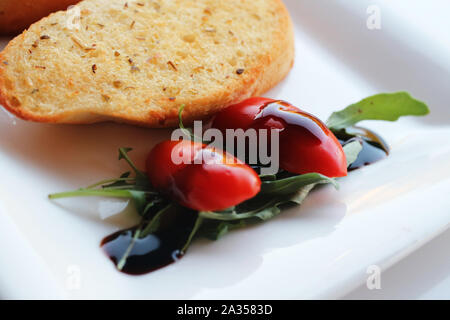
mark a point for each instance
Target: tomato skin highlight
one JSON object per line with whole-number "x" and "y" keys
{"x": 161, "y": 168}
{"x": 212, "y": 179}
{"x": 241, "y": 115}
{"x": 306, "y": 144}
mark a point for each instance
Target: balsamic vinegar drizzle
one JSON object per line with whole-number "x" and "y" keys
{"x": 283, "y": 112}
{"x": 154, "y": 251}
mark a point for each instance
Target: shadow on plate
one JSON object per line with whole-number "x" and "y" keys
{"x": 78, "y": 154}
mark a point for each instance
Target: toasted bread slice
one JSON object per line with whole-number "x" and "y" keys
{"x": 16, "y": 16}
{"x": 138, "y": 61}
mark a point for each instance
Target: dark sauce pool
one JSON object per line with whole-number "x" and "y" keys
{"x": 370, "y": 153}
{"x": 374, "y": 148}
{"x": 153, "y": 251}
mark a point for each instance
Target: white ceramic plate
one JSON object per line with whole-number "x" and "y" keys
{"x": 321, "y": 250}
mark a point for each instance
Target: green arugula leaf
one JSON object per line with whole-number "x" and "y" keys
{"x": 113, "y": 183}
{"x": 214, "y": 229}
{"x": 108, "y": 193}
{"x": 122, "y": 181}
{"x": 165, "y": 218}
{"x": 261, "y": 207}
{"x": 216, "y": 225}
{"x": 385, "y": 106}
{"x": 123, "y": 260}
{"x": 352, "y": 150}
{"x": 276, "y": 193}
{"x": 137, "y": 188}
{"x": 188, "y": 132}
{"x": 145, "y": 228}
{"x": 142, "y": 179}
{"x": 139, "y": 198}
{"x": 294, "y": 183}
{"x": 155, "y": 222}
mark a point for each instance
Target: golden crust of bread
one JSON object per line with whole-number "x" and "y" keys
{"x": 17, "y": 15}
{"x": 119, "y": 67}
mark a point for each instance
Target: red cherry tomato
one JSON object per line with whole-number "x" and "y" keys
{"x": 306, "y": 144}
{"x": 207, "y": 180}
